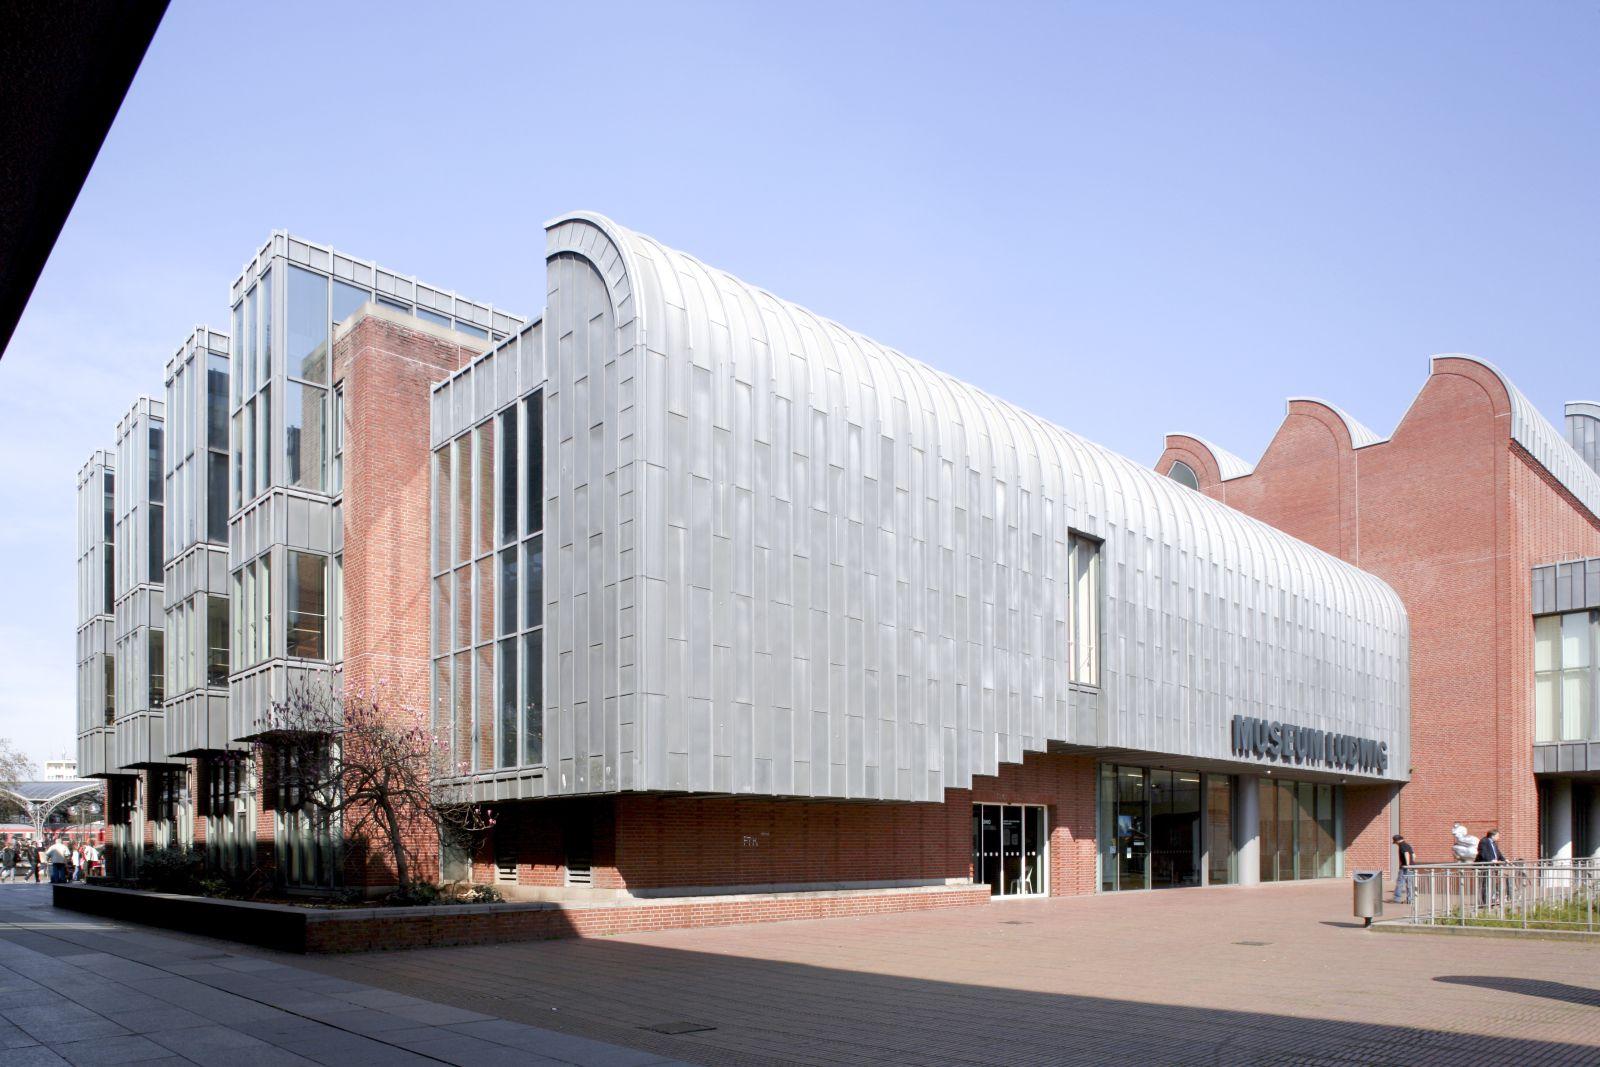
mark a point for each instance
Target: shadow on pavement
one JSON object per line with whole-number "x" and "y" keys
{"x": 776, "y": 1012}
{"x": 1529, "y": 987}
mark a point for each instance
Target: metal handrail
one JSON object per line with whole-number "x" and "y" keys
{"x": 1554, "y": 894}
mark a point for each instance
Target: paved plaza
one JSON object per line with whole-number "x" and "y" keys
{"x": 1275, "y": 974}
{"x": 78, "y": 990}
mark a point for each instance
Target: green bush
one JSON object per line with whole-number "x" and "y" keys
{"x": 172, "y": 870}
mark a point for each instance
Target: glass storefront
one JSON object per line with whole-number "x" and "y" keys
{"x": 1010, "y": 849}
{"x": 1299, "y": 830}
{"x": 1162, "y": 828}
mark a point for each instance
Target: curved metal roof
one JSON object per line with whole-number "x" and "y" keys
{"x": 1544, "y": 442}
{"x": 1229, "y": 465}
{"x": 1210, "y": 612}
{"x": 46, "y": 792}
{"x": 1360, "y": 435}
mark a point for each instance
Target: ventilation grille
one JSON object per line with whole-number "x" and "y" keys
{"x": 505, "y": 870}
{"x": 580, "y": 872}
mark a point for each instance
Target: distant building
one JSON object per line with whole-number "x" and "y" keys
{"x": 60, "y": 770}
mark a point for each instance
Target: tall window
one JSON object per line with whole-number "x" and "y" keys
{"x": 156, "y": 526}
{"x": 217, "y": 642}
{"x": 1564, "y": 663}
{"x": 488, "y": 591}
{"x": 308, "y": 575}
{"x": 216, "y": 449}
{"x": 156, "y": 654}
{"x": 1083, "y": 560}
{"x": 1183, "y": 474}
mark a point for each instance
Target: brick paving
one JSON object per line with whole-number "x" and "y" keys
{"x": 76, "y": 990}
{"x": 1276, "y": 974}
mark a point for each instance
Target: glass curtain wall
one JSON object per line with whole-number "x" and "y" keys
{"x": 1299, "y": 830}
{"x": 1564, "y": 663}
{"x": 488, "y": 590}
{"x": 1162, "y": 829}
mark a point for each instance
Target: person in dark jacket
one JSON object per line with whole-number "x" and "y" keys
{"x": 1405, "y": 884}
{"x": 1489, "y": 853}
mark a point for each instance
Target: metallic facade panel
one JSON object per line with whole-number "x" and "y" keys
{"x": 784, "y": 559}
{"x": 1573, "y": 585}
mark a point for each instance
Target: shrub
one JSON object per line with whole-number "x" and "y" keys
{"x": 172, "y": 870}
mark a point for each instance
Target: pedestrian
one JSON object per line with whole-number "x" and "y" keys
{"x": 1405, "y": 883}
{"x": 58, "y": 856}
{"x": 32, "y": 858}
{"x": 91, "y": 859}
{"x": 1489, "y": 853}
{"x": 77, "y": 862}
{"x": 8, "y": 860}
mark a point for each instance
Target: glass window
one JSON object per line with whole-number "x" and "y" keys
{"x": 264, "y": 318}
{"x": 217, "y": 641}
{"x": 264, "y": 439}
{"x": 347, "y": 300}
{"x": 157, "y": 667}
{"x": 154, "y": 472}
{"x": 238, "y": 351}
{"x": 248, "y": 333}
{"x": 305, "y": 435}
{"x": 307, "y": 352}
{"x": 1183, "y": 474}
{"x": 508, "y": 703}
{"x": 463, "y": 509}
{"x": 217, "y": 402}
{"x": 476, "y": 331}
{"x": 337, "y": 430}
{"x": 484, "y": 437}
{"x": 308, "y": 576}
{"x": 443, "y": 497}
{"x": 217, "y": 497}
{"x": 434, "y": 317}
{"x": 108, "y": 666}
{"x": 508, "y": 473}
{"x": 157, "y": 513}
{"x": 533, "y": 412}
{"x": 1084, "y": 560}
{"x": 396, "y": 304}
{"x": 1574, "y": 640}
{"x": 508, "y": 590}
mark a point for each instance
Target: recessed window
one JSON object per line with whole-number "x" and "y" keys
{"x": 1183, "y": 474}
{"x": 308, "y": 576}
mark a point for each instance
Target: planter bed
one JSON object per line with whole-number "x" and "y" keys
{"x": 293, "y": 928}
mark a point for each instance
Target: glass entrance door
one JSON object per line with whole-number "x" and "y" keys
{"x": 1010, "y": 849}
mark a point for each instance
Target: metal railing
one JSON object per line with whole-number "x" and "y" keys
{"x": 1559, "y": 894}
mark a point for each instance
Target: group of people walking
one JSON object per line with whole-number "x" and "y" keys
{"x": 66, "y": 861}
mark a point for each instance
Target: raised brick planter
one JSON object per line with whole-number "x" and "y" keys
{"x": 295, "y": 929}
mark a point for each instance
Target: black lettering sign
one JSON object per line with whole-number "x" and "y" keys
{"x": 1286, "y": 742}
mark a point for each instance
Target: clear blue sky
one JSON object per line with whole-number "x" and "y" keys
{"x": 1129, "y": 218}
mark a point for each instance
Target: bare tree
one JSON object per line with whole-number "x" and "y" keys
{"x": 372, "y": 770}
{"x": 14, "y": 766}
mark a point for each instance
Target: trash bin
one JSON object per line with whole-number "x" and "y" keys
{"x": 1368, "y": 895}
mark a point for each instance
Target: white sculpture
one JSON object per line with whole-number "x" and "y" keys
{"x": 1466, "y": 846}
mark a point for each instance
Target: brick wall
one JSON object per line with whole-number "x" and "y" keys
{"x": 1452, "y": 514}
{"x": 650, "y": 841}
{"x": 388, "y": 365}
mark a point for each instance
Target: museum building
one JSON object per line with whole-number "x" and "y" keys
{"x": 708, "y": 594}
{"x": 1485, "y": 519}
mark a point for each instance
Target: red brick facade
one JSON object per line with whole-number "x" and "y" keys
{"x": 1452, "y": 513}
{"x": 657, "y": 841}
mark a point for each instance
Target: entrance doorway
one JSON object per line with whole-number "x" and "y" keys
{"x": 1010, "y": 849}
{"x": 1162, "y": 828}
